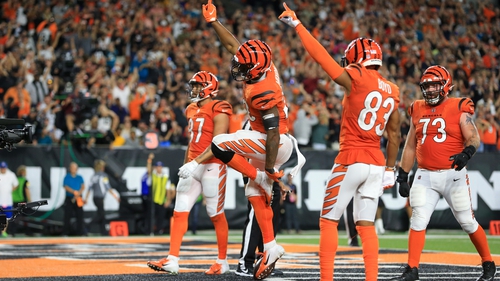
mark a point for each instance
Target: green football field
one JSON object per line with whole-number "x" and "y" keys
{"x": 436, "y": 240}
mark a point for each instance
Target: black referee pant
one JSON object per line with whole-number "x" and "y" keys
{"x": 252, "y": 236}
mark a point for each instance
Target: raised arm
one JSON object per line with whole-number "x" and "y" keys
{"x": 226, "y": 37}
{"x": 316, "y": 50}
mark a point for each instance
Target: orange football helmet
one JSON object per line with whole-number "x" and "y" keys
{"x": 209, "y": 86}
{"x": 364, "y": 51}
{"x": 251, "y": 61}
{"x": 435, "y": 83}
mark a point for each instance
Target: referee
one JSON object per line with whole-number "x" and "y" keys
{"x": 99, "y": 186}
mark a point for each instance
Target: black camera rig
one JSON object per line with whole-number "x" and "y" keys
{"x": 22, "y": 208}
{"x": 10, "y": 136}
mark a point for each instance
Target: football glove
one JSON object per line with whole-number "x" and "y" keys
{"x": 209, "y": 12}
{"x": 461, "y": 159}
{"x": 187, "y": 169}
{"x": 289, "y": 17}
{"x": 388, "y": 180}
{"x": 275, "y": 175}
{"x": 402, "y": 179}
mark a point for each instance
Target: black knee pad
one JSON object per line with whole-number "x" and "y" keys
{"x": 224, "y": 156}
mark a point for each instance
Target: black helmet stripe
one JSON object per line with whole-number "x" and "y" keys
{"x": 253, "y": 50}
{"x": 204, "y": 78}
{"x": 355, "y": 53}
{"x": 259, "y": 43}
{"x": 362, "y": 41}
{"x": 242, "y": 53}
{"x": 435, "y": 73}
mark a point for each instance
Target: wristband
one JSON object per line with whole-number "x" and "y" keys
{"x": 469, "y": 150}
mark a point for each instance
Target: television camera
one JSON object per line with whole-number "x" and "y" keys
{"x": 8, "y": 137}
{"x": 22, "y": 208}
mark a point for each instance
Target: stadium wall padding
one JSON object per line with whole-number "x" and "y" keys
{"x": 46, "y": 168}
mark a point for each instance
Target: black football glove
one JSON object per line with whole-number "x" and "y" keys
{"x": 402, "y": 179}
{"x": 461, "y": 159}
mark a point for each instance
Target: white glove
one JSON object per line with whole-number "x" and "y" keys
{"x": 389, "y": 179}
{"x": 187, "y": 169}
{"x": 289, "y": 17}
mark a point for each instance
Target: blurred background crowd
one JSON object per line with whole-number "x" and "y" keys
{"x": 107, "y": 72}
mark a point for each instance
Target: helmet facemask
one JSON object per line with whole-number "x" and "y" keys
{"x": 433, "y": 92}
{"x": 197, "y": 91}
{"x": 241, "y": 71}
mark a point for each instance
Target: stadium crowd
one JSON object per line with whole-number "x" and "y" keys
{"x": 109, "y": 71}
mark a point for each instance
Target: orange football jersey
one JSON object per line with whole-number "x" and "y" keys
{"x": 365, "y": 114}
{"x": 201, "y": 126}
{"x": 263, "y": 95}
{"x": 438, "y": 131}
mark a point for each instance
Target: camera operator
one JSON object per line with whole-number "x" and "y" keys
{"x": 8, "y": 183}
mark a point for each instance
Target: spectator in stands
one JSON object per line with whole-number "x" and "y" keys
{"x": 71, "y": 42}
{"x": 306, "y": 119}
{"x": 119, "y": 139}
{"x": 38, "y": 89}
{"x": 319, "y": 134}
{"x": 164, "y": 125}
{"x": 132, "y": 141}
{"x": 17, "y": 100}
{"x": 122, "y": 87}
{"x": 119, "y": 110}
{"x": 488, "y": 129}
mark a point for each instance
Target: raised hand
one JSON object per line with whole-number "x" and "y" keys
{"x": 209, "y": 12}
{"x": 289, "y": 17}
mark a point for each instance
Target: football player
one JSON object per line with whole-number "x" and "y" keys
{"x": 267, "y": 146}
{"x": 443, "y": 138}
{"x": 360, "y": 169}
{"x": 207, "y": 118}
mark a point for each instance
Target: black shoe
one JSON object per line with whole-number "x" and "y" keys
{"x": 410, "y": 274}
{"x": 277, "y": 272}
{"x": 489, "y": 270}
{"x": 242, "y": 270}
{"x": 354, "y": 242}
